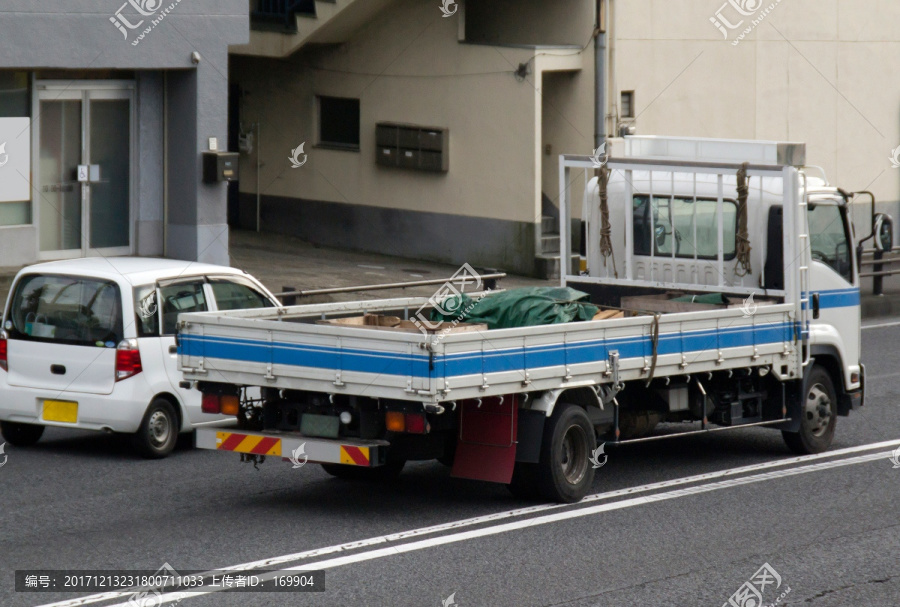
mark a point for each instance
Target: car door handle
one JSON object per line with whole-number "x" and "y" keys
{"x": 57, "y": 369}
{"x": 815, "y": 305}
{"x": 173, "y": 349}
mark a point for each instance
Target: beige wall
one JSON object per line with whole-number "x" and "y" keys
{"x": 568, "y": 126}
{"x": 823, "y": 72}
{"x": 426, "y": 77}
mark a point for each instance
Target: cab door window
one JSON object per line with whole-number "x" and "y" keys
{"x": 828, "y": 239}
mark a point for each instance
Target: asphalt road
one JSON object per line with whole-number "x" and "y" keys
{"x": 828, "y": 527}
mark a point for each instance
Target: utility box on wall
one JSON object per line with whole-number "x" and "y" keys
{"x": 220, "y": 166}
{"x": 407, "y": 146}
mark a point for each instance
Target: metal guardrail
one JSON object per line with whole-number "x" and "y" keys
{"x": 290, "y": 295}
{"x": 878, "y": 261}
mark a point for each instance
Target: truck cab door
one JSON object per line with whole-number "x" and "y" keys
{"x": 834, "y": 285}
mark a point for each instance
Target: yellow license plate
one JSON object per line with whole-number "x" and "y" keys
{"x": 60, "y": 411}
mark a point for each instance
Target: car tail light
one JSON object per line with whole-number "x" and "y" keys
{"x": 230, "y": 405}
{"x": 128, "y": 359}
{"x": 415, "y": 423}
{"x": 395, "y": 421}
{"x": 4, "y": 356}
{"x": 211, "y": 403}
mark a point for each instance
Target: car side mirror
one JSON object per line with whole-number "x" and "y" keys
{"x": 884, "y": 232}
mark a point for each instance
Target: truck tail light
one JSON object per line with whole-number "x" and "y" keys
{"x": 211, "y": 403}
{"x": 230, "y": 404}
{"x": 395, "y": 421}
{"x": 415, "y": 423}
{"x": 128, "y": 359}
{"x": 4, "y": 356}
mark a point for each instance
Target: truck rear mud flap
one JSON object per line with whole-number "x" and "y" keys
{"x": 294, "y": 447}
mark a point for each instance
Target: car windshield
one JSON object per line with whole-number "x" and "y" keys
{"x": 237, "y": 294}
{"x": 66, "y": 309}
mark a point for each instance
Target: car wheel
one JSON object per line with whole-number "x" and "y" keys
{"x": 21, "y": 435}
{"x": 158, "y": 431}
{"x": 818, "y": 415}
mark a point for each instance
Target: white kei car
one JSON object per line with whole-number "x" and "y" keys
{"x": 90, "y": 344}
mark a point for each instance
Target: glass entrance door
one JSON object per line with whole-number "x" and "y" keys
{"x": 90, "y": 125}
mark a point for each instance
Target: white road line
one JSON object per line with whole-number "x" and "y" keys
{"x": 881, "y": 326}
{"x": 541, "y": 520}
{"x": 387, "y": 539}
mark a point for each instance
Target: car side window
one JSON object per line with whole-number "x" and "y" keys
{"x": 237, "y": 294}
{"x": 180, "y": 298}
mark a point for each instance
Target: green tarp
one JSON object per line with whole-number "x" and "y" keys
{"x": 525, "y": 307}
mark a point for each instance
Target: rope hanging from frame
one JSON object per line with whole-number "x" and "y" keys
{"x": 743, "y": 267}
{"x": 606, "y": 248}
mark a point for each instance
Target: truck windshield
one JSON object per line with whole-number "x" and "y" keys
{"x": 66, "y": 309}
{"x": 828, "y": 239}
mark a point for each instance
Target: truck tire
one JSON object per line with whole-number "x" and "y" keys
{"x": 388, "y": 472}
{"x": 818, "y": 415}
{"x": 21, "y": 435}
{"x": 564, "y": 473}
{"x": 158, "y": 432}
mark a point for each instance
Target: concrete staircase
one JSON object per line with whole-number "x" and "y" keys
{"x": 546, "y": 262}
{"x": 279, "y": 28}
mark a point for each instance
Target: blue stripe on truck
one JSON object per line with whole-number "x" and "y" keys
{"x": 494, "y": 361}
{"x": 841, "y": 298}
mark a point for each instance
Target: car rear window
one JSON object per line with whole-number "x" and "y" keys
{"x": 67, "y": 310}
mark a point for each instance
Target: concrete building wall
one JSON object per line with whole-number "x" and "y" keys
{"x": 408, "y": 65}
{"x": 820, "y": 72}
{"x": 79, "y": 39}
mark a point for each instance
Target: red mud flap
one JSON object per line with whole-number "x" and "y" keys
{"x": 486, "y": 448}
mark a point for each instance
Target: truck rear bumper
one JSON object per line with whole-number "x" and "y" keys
{"x": 294, "y": 447}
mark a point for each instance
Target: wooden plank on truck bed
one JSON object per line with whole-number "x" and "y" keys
{"x": 395, "y": 323}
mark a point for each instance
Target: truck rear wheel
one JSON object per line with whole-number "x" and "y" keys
{"x": 390, "y": 471}
{"x": 565, "y": 473}
{"x": 21, "y": 435}
{"x": 818, "y": 415}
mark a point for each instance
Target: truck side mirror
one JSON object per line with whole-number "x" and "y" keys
{"x": 884, "y": 232}
{"x": 660, "y": 236}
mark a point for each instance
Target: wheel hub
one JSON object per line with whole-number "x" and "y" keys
{"x": 159, "y": 428}
{"x": 573, "y": 455}
{"x": 817, "y": 410}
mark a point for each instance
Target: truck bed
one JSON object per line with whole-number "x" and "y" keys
{"x": 286, "y": 348}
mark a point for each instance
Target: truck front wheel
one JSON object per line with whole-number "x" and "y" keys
{"x": 818, "y": 415}
{"x": 564, "y": 473}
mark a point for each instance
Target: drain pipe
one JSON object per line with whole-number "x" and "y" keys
{"x": 258, "y": 168}
{"x": 165, "y": 230}
{"x": 600, "y": 75}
